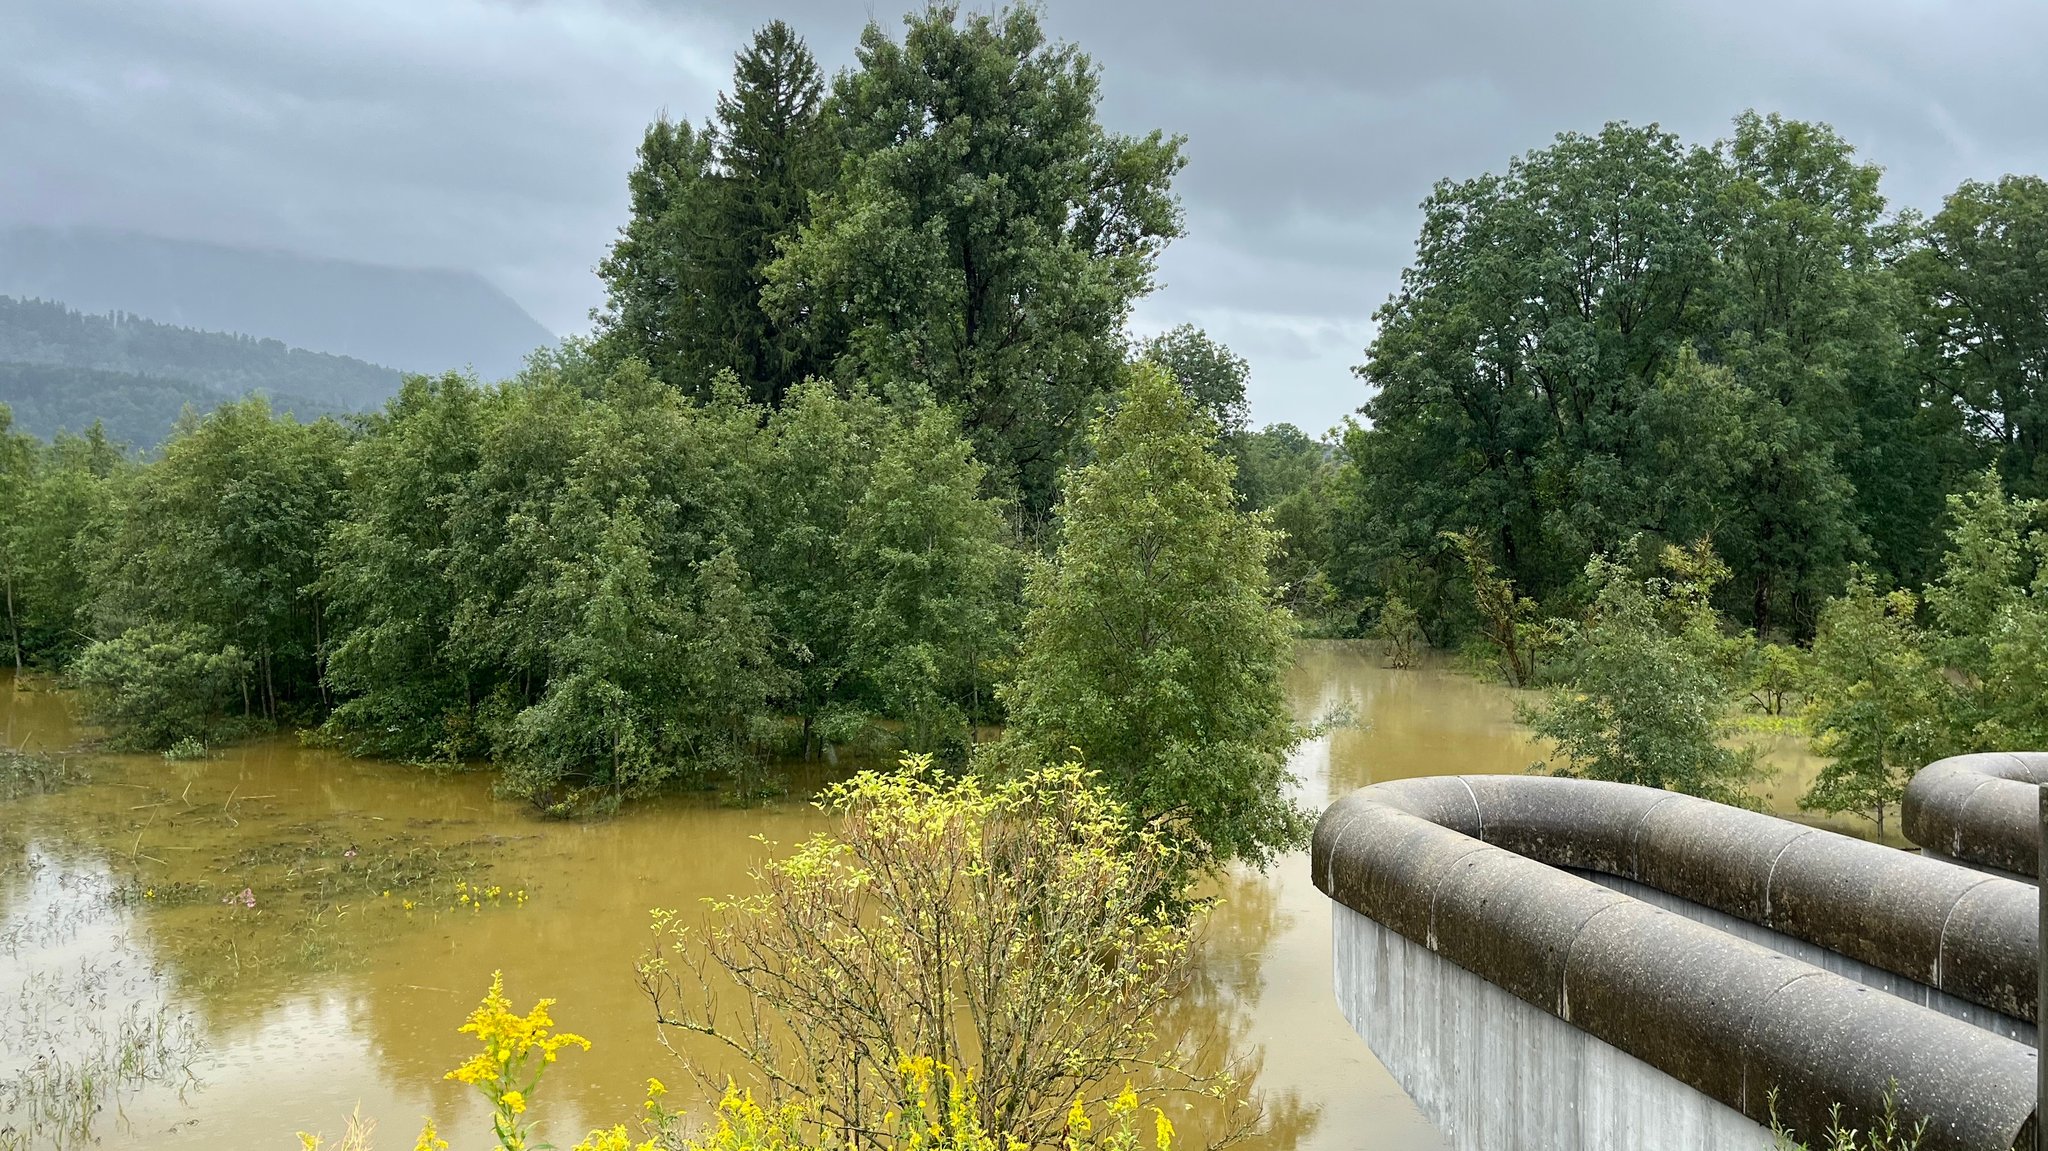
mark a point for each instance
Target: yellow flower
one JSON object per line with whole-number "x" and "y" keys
{"x": 308, "y": 1142}
{"x": 514, "y": 1101}
{"x": 430, "y": 1140}
{"x": 1162, "y": 1131}
{"x": 1077, "y": 1119}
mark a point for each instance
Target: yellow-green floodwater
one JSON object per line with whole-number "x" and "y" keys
{"x": 225, "y": 923}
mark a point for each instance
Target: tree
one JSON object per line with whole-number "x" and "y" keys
{"x": 218, "y": 543}
{"x": 658, "y": 306}
{"x": 1625, "y": 335}
{"x": 1542, "y": 307}
{"x": 1400, "y": 632}
{"x": 1875, "y": 702}
{"x": 1990, "y": 607}
{"x": 711, "y": 209}
{"x": 987, "y": 236}
{"x": 1013, "y": 932}
{"x": 1980, "y": 336}
{"x": 1645, "y": 703}
{"x": 50, "y": 497}
{"x": 1210, "y": 373}
{"x": 1511, "y": 622}
{"x": 938, "y": 619}
{"x": 1152, "y": 641}
{"x": 1274, "y": 463}
{"x": 17, "y": 461}
{"x": 1807, "y": 324}
{"x": 156, "y": 685}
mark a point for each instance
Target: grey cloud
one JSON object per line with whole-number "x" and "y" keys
{"x": 496, "y": 135}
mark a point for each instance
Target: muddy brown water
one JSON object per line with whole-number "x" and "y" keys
{"x": 124, "y": 897}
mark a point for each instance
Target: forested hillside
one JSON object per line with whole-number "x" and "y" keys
{"x": 411, "y": 319}
{"x": 61, "y": 368}
{"x": 136, "y": 410}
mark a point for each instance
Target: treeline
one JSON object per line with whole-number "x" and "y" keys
{"x": 61, "y": 370}
{"x": 605, "y": 586}
{"x": 1626, "y": 335}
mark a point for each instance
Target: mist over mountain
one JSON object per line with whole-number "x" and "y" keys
{"x": 412, "y": 319}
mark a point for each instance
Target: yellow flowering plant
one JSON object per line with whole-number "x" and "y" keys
{"x": 516, "y": 1051}
{"x": 936, "y": 1108}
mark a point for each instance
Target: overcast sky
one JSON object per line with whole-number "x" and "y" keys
{"x": 495, "y": 135}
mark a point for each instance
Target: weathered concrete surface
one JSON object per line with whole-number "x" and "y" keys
{"x": 1913, "y": 991}
{"x": 1980, "y": 810}
{"x": 1494, "y": 1073}
{"x": 1464, "y": 869}
{"x": 1959, "y": 931}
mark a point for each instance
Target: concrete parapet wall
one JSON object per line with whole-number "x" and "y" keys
{"x": 1470, "y": 870}
{"x": 1495, "y": 1073}
{"x": 1980, "y": 809}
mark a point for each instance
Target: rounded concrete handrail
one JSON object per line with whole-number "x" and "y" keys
{"x": 1980, "y": 809}
{"x": 1471, "y": 868}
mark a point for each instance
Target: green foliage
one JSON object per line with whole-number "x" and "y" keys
{"x": 1875, "y": 702}
{"x": 1211, "y": 374}
{"x": 1889, "y": 1132}
{"x": 210, "y": 557}
{"x": 1625, "y": 335}
{"x": 1773, "y": 673}
{"x": 1646, "y": 702}
{"x": 933, "y": 631}
{"x": 610, "y": 587}
{"x": 1990, "y": 608}
{"x": 157, "y": 684}
{"x": 1980, "y": 330}
{"x": 1274, "y": 463}
{"x": 711, "y": 209}
{"x": 986, "y": 236}
{"x": 1511, "y": 623}
{"x": 1153, "y": 642}
{"x": 50, "y": 496}
{"x": 1401, "y": 631}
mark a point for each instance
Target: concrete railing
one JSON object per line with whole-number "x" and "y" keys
{"x": 1478, "y": 873}
{"x": 1980, "y": 810}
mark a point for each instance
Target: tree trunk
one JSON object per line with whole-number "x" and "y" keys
{"x": 14, "y": 626}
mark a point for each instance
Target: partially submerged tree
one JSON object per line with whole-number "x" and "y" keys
{"x": 1646, "y": 703}
{"x": 1153, "y": 642}
{"x": 1512, "y": 623}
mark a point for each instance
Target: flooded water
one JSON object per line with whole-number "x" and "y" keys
{"x": 225, "y": 924}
